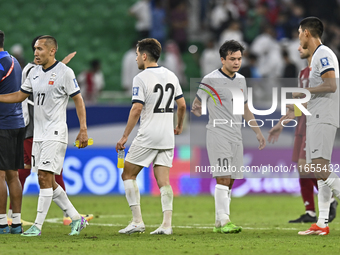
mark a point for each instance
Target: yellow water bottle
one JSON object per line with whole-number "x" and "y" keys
{"x": 121, "y": 154}
{"x": 89, "y": 142}
{"x": 297, "y": 111}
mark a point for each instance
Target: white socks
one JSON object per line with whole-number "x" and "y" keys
{"x": 133, "y": 198}
{"x": 333, "y": 182}
{"x": 167, "y": 197}
{"x": 16, "y": 218}
{"x": 222, "y": 202}
{"x": 3, "y": 219}
{"x": 44, "y": 202}
{"x": 324, "y": 200}
{"x": 61, "y": 199}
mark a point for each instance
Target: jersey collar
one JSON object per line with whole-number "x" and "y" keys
{"x": 153, "y": 67}
{"x": 231, "y": 78}
{"x": 317, "y": 48}
{"x": 51, "y": 67}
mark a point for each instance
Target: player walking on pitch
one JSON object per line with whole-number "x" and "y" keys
{"x": 153, "y": 94}
{"x": 224, "y": 142}
{"x": 51, "y": 83}
{"x": 307, "y": 179}
{"x": 324, "y": 119}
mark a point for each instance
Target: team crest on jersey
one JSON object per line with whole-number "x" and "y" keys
{"x": 52, "y": 79}
{"x": 75, "y": 83}
{"x": 135, "y": 91}
{"x": 324, "y": 62}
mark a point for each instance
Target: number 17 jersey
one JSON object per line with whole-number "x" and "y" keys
{"x": 51, "y": 89}
{"x": 156, "y": 88}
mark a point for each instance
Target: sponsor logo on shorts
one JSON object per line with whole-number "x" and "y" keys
{"x": 315, "y": 150}
{"x": 46, "y": 162}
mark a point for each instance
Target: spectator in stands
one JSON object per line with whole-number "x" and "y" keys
{"x": 250, "y": 70}
{"x": 221, "y": 15}
{"x": 91, "y": 82}
{"x": 233, "y": 32}
{"x": 179, "y": 24}
{"x": 268, "y": 50}
{"x": 158, "y": 25}
{"x": 210, "y": 58}
{"x": 129, "y": 68}
{"x": 174, "y": 62}
{"x": 18, "y": 52}
{"x": 142, "y": 11}
{"x": 289, "y": 70}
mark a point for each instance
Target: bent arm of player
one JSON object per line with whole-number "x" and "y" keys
{"x": 181, "y": 107}
{"x": 16, "y": 97}
{"x": 328, "y": 85}
{"x": 68, "y": 57}
{"x": 81, "y": 112}
{"x": 248, "y": 116}
{"x": 196, "y": 107}
{"x": 134, "y": 115}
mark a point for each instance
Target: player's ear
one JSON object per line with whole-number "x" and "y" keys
{"x": 53, "y": 51}
{"x": 144, "y": 56}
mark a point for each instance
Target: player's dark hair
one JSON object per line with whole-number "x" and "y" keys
{"x": 34, "y": 41}
{"x": 49, "y": 40}
{"x": 2, "y": 39}
{"x": 229, "y": 47}
{"x": 151, "y": 47}
{"x": 314, "y": 26}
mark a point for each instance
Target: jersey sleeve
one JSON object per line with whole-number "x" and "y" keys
{"x": 70, "y": 83}
{"x": 202, "y": 89}
{"x": 325, "y": 61}
{"x": 178, "y": 92}
{"x": 138, "y": 91}
{"x": 26, "y": 87}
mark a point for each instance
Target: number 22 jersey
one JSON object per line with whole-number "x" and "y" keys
{"x": 156, "y": 88}
{"x": 51, "y": 89}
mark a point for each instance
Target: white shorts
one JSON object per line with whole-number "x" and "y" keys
{"x": 226, "y": 158}
{"x": 142, "y": 156}
{"x": 48, "y": 156}
{"x": 319, "y": 141}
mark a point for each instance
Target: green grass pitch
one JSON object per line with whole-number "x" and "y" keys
{"x": 263, "y": 218}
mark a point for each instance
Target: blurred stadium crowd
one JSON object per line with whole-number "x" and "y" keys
{"x": 190, "y": 31}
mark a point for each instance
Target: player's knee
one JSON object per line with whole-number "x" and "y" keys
{"x": 224, "y": 181}
{"x": 127, "y": 176}
{"x": 44, "y": 180}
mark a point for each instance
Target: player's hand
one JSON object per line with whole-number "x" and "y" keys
{"x": 120, "y": 144}
{"x": 82, "y": 138}
{"x": 290, "y": 115}
{"x": 262, "y": 141}
{"x": 274, "y": 133}
{"x": 68, "y": 57}
{"x": 178, "y": 130}
{"x": 196, "y": 110}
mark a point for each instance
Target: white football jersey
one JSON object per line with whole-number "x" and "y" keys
{"x": 323, "y": 107}
{"x": 223, "y": 110}
{"x": 156, "y": 88}
{"x": 51, "y": 89}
